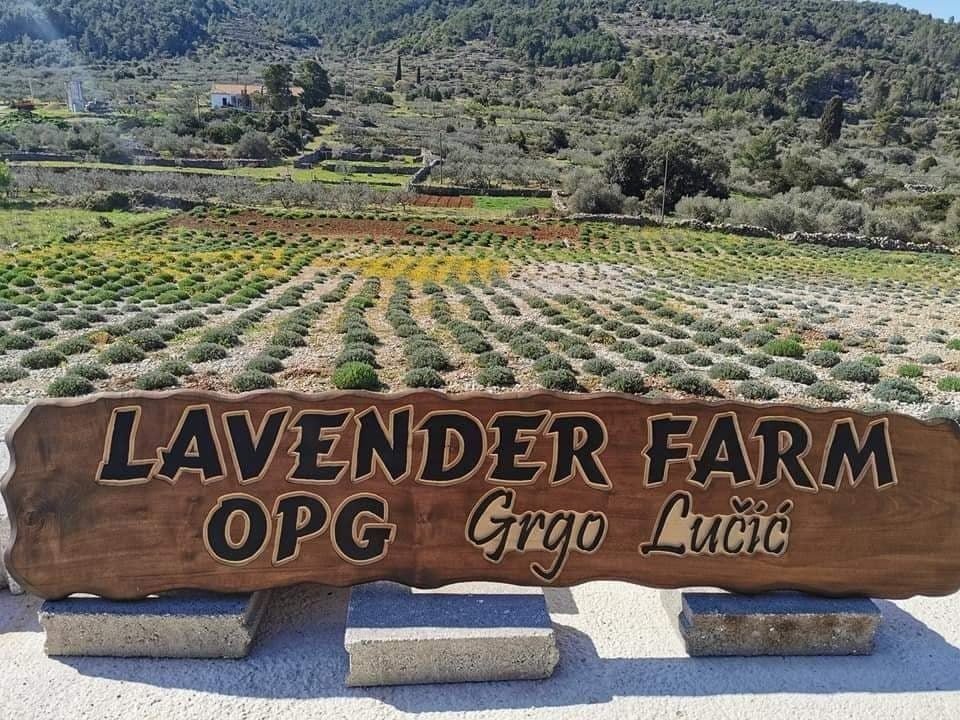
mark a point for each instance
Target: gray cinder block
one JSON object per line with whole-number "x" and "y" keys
{"x": 781, "y": 623}
{"x": 186, "y": 625}
{"x": 468, "y": 632}
{"x": 5, "y": 579}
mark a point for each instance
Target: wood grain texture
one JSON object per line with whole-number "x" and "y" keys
{"x": 74, "y": 533}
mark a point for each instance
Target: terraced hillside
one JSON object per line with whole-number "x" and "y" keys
{"x": 237, "y": 300}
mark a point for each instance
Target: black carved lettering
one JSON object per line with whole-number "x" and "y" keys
{"x": 253, "y": 453}
{"x": 779, "y": 456}
{"x": 393, "y": 452}
{"x": 315, "y": 445}
{"x": 660, "y": 452}
{"x": 579, "y": 441}
{"x": 194, "y": 448}
{"x": 299, "y": 518}
{"x": 219, "y": 525}
{"x": 444, "y": 431}
{"x": 847, "y": 453}
{"x": 118, "y": 467}
{"x": 367, "y": 543}
{"x": 723, "y": 454}
{"x": 511, "y": 446}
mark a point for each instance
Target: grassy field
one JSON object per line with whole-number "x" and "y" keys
{"x": 236, "y": 299}
{"x": 280, "y": 172}
{"x": 25, "y": 227}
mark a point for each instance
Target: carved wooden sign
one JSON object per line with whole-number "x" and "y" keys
{"x": 123, "y": 495}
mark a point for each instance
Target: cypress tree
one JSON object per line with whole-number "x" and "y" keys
{"x": 831, "y": 122}
{"x": 399, "y": 76}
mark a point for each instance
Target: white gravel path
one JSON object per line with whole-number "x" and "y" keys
{"x": 619, "y": 659}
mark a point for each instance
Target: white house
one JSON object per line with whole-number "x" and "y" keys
{"x": 240, "y": 95}
{"x": 231, "y": 95}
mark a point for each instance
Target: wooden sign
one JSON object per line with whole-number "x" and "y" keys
{"x": 123, "y": 495}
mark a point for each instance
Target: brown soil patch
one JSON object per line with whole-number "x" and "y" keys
{"x": 444, "y": 201}
{"x": 250, "y": 221}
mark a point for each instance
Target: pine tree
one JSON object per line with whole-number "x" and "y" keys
{"x": 831, "y": 122}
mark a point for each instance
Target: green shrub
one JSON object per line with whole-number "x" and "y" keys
{"x": 897, "y": 390}
{"x": 252, "y": 380}
{"x": 562, "y": 380}
{"x": 156, "y": 380}
{"x": 599, "y": 367}
{"x": 698, "y": 359}
{"x": 147, "y": 339}
{"x": 496, "y": 376}
{"x": 491, "y": 358}
{"x": 356, "y": 353}
{"x": 758, "y": 337}
{"x": 931, "y": 359}
{"x": 625, "y": 381}
{"x": 223, "y": 336}
{"x": 664, "y": 367}
{"x": 527, "y": 346}
{"x": 205, "y": 352}
{"x": 872, "y": 360}
{"x": 729, "y": 371}
{"x": 792, "y": 371}
{"x": 16, "y": 341}
{"x": 41, "y": 333}
{"x": 12, "y": 373}
{"x": 784, "y": 347}
{"x": 827, "y": 391}
{"x": 950, "y": 383}
{"x": 553, "y": 361}
{"x": 692, "y": 384}
{"x": 910, "y": 370}
{"x": 277, "y": 351}
{"x": 74, "y": 346}
{"x": 70, "y": 386}
{"x": 706, "y": 338}
{"x": 356, "y": 376}
{"x": 188, "y": 321}
{"x": 760, "y": 360}
{"x": 953, "y": 344}
{"x": 265, "y": 364}
{"x": 946, "y": 412}
{"x": 581, "y": 351}
{"x": 176, "y": 367}
{"x": 757, "y": 390}
{"x": 121, "y": 352}
{"x": 834, "y": 346}
{"x": 429, "y": 357}
{"x": 639, "y": 354}
{"x": 856, "y": 371}
{"x": 678, "y": 347}
{"x": 74, "y": 323}
{"x": 89, "y": 370}
{"x": 823, "y": 358}
{"x": 42, "y": 358}
{"x": 423, "y": 377}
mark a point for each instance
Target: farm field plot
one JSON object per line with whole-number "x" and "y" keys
{"x": 237, "y": 300}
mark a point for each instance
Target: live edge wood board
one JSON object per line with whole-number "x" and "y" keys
{"x": 123, "y": 495}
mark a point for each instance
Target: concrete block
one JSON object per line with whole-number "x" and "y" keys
{"x": 184, "y": 625}
{"x": 781, "y": 623}
{"x": 469, "y": 632}
{"x": 5, "y": 579}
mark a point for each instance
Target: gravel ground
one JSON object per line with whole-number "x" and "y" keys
{"x": 619, "y": 659}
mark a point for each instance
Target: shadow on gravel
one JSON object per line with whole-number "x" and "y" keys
{"x": 300, "y": 655}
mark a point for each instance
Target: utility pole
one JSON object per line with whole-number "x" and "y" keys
{"x": 663, "y": 197}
